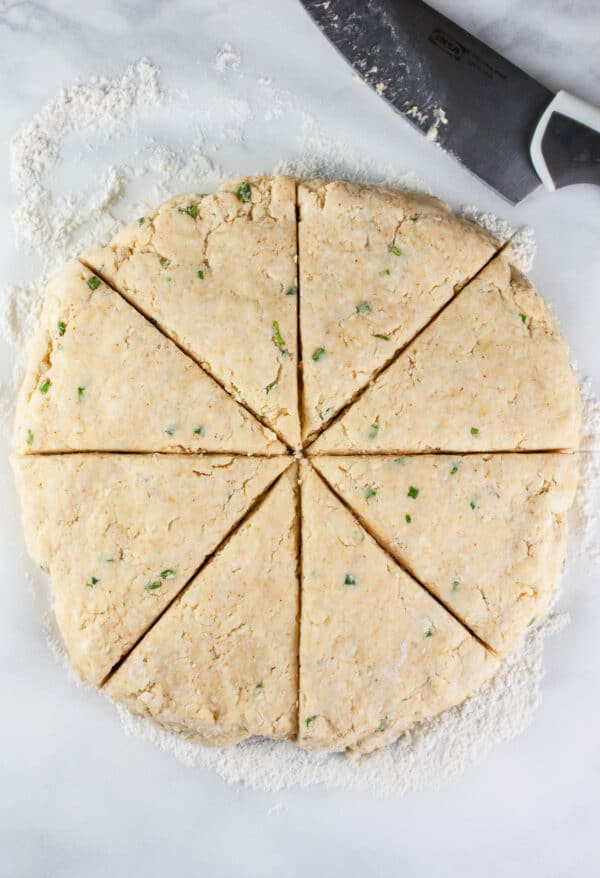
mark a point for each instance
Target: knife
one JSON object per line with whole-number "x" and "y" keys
{"x": 506, "y": 127}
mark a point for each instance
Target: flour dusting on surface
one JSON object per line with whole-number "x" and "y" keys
{"x": 52, "y": 225}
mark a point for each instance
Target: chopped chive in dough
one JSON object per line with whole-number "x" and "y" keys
{"x": 191, "y": 210}
{"x": 373, "y": 431}
{"x": 164, "y": 262}
{"x": 454, "y": 469}
{"x": 44, "y": 386}
{"x": 270, "y": 386}
{"x": 429, "y": 632}
{"x": 413, "y": 492}
{"x": 244, "y": 192}
{"x": 370, "y": 492}
{"x": 29, "y": 437}
{"x": 92, "y": 582}
{"x": 474, "y": 431}
{"x": 93, "y": 282}
{"x": 350, "y": 579}
{"x": 291, "y": 290}
{"x": 141, "y": 220}
{"x": 395, "y": 250}
{"x": 172, "y": 429}
{"x": 80, "y": 392}
{"x": 309, "y": 721}
{"x": 523, "y": 318}
{"x": 398, "y": 461}
{"x": 384, "y": 273}
{"x": 326, "y": 413}
{"x": 383, "y": 725}
{"x": 152, "y": 586}
{"x": 62, "y": 327}
{"x": 260, "y": 685}
{"x": 198, "y": 431}
{"x": 381, "y": 336}
{"x": 473, "y": 503}
{"x": 531, "y": 621}
{"x": 278, "y": 339}
{"x": 317, "y": 354}
{"x": 407, "y": 518}
{"x": 201, "y": 274}
{"x": 455, "y": 585}
{"x": 363, "y": 307}
{"x": 167, "y": 574}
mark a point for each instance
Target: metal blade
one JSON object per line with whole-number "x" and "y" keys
{"x": 454, "y": 88}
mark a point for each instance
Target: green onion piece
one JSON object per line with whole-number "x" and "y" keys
{"x": 170, "y": 431}
{"x": 29, "y": 437}
{"x": 198, "y": 431}
{"x": 164, "y": 262}
{"x": 317, "y": 354}
{"x": 141, "y": 220}
{"x": 191, "y": 210}
{"x": 92, "y": 582}
{"x": 407, "y": 518}
{"x": 369, "y": 492}
{"x": 93, "y": 282}
{"x": 373, "y": 431}
{"x": 531, "y": 621}
{"x": 80, "y": 392}
{"x": 350, "y": 579}
{"x": 152, "y": 586}
{"x": 363, "y": 307}
{"x": 278, "y": 339}
{"x": 383, "y": 725}
{"x": 310, "y": 720}
{"x": 43, "y": 388}
{"x": 244, "y": 193}
{"x": 429, "y": 632}
{"x": 167, "y": 574}
{"x": 200, "y": 274}
{"x": 395, "y": 250}
{"x": 523, "y": 318}
{"x": 413, "y": 492}
{"x": 260, "y": 686}
{"x": 454, "y": 469}
{"x": 270, "y": 386}
{"x": 291, "y": 290}
{"x": 473, "y": 503}
{"x": 384, "y": 273}
{"x": 381, "y": 336}
{"x": 474, "y": 431}
{"x": 62, "y": 327}
{"x": 455, "y": 585}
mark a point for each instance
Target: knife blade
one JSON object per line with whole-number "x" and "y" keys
{"x": 476, "y": 104}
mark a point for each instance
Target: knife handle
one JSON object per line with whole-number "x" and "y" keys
{"x": 565, "y": 147}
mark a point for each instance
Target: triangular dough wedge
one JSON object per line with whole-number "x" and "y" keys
{"x": 102, "y": 378}
{"x": 222, "y": 663}
{"x": 218, "y": 273}
{"x": 121, "y": 534}
{"x": 485, "y": 533}
{"x": 375, "y": 266}
{"x": 491, "y": 373}
{"x": 377, "y": 652}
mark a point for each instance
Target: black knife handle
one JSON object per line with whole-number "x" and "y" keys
{"x": 565, "y": 147}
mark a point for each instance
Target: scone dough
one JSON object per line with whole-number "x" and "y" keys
{"x": 218, "y": 273}
{"x": 222, "y": 664}
{"x": 375, "y": 266}
{"x": 500, "y": 525}
{"x": 102, "y": 378}
{"x": 491, "y": 373}
{"x": 120, "y": 535}
{"x": 377, "y": 653}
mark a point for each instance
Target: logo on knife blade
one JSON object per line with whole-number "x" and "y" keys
{"x": 448, "y": 44}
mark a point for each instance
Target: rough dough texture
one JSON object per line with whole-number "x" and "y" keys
{"x": 222, "y": 663}
{"x": 107, "y": 526}
{"x": 491, "y": 373}
{"x": 499, "y": 522}
{"x": 377, "y": 653}
{"x": 375, "y": 266}
{"x": 246, "y": 254}
{"x": 101, "y": 377}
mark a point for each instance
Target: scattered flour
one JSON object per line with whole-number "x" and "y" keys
{"x": 55, "y": 225}
{"x": 439, "y": 118}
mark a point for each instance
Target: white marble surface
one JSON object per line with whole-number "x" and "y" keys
{"x": 77, "y": 797}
